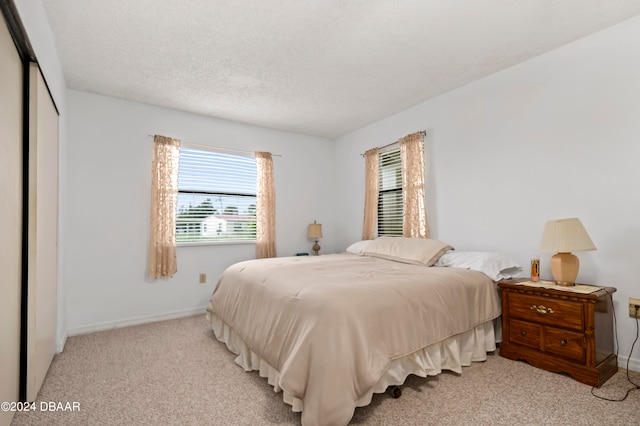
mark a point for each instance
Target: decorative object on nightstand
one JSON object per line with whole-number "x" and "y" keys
{"x": 535, "y": 268}
{"x": 562, "y": 236}
{"x": 314, "y": 232}
{"x": 560, "y": 329}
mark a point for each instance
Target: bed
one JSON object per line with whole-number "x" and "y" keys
{"x": 330, "y": 331}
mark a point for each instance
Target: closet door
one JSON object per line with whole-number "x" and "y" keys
{"x": 43, "y": 232}
{"x": 10, "y": 218}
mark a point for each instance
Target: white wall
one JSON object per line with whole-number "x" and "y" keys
{"x": 109, "y": 157}
{"x": 554, "y": 137}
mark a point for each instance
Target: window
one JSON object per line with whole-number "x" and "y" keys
{"x": 390, "y": 193}
{"x": 216, "y": 197}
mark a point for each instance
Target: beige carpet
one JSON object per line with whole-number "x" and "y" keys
{"x": 176, "y": 373}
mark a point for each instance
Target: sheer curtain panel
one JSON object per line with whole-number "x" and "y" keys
{"x": 164, "y": 196}
{"x": 371, "y": 177}
{"x": 414, "y": 220}
{"x": 266, "y": 207}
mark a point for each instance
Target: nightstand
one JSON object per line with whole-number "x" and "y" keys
{"x": 559, "y": 330}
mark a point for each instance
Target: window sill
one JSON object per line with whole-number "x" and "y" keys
{"x": 214, "y": 243}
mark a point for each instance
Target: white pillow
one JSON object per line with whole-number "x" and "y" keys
{"x": 493, "y": 264}
{"x": 417, "y": 251}
{"x": 358, "y": 247}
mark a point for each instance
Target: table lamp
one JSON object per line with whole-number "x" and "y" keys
{"x": 314, "y": 232}
{"x": 562, "y": 236}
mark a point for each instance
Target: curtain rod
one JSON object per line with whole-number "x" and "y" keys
{"x": 422, "y": 132}
{"x": 223, "y": 149}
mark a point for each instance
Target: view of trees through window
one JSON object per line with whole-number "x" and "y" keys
{"x": 216, "y": 197}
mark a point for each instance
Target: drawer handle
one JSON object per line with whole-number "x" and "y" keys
{"x": 541, "y": 310}
{"x": 523, "y": 333}
{"x": 563, "y": 342}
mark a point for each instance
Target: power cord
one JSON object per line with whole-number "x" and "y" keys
{"x": 615, "y": 325}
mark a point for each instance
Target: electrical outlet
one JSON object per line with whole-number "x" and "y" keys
{"x": 632, "y": 307}
{"x": 203, "y": 278}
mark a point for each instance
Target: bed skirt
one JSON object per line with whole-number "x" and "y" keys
{"x": 450, "y": 354}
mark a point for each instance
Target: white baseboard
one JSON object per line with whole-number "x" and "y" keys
{"x": 634, "y": 364}
{"x": 61, "y": 343}
{"x": 110, "y": 325}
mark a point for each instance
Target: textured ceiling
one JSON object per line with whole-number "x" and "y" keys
{"x": 321, "y": 68}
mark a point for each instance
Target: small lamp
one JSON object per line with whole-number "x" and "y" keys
{"x": 314, "y": 232}
{"x": 562, "y": 236}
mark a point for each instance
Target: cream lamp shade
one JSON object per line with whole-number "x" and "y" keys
{"x": 314, "y": 232}
{"x": 563, "y": 236}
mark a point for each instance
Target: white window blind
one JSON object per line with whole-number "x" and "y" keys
{"x": 390, "y": 193}
{"x": 216, "y": 197}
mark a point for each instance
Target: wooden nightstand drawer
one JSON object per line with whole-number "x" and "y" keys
{"x": 544, "y": 310}
{"x": 564, "y": 343}
{"x": 525, "y": 333}
{"x": 559, "y": 329}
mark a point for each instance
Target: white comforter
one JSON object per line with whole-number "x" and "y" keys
{"x": 335, "y": 322}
